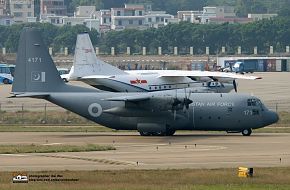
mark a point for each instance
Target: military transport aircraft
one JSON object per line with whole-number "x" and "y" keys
{"x": 95, "y": 72}
{"x": 152, "y": 113}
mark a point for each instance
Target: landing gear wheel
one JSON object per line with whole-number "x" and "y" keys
{"x": 170, "y": 132}
{"x": 5, "y": 81}
{"x": 142, "y": 133}
{"x": 247, "y": 132}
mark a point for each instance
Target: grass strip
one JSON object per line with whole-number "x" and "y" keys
{"x": 188, "y": 179}
{"x": 33, "y": 148}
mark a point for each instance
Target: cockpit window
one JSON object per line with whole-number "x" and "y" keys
{"x": 259, "y": 103}
{"x": 252, "y": 102}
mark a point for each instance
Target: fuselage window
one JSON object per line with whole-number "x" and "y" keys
{"x": 169, "y": 86}
{"x": 155, "y": 87}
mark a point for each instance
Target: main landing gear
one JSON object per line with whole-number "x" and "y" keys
{"x": 169, "y": 132}
{"x": 247, "y": 132}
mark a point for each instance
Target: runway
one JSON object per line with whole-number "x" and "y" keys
{"x": 185, "y": 150}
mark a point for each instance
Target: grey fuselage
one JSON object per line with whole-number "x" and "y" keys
{"x": 209, "y": 111}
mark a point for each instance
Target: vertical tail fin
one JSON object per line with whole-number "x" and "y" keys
{"x": 86, "y": 62}
{"x": 35, "y": 70}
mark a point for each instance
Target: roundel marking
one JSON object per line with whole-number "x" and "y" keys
{"x": 95, "y": 109}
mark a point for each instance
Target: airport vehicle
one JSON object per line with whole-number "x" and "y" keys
{"x": 63, "y": 72}
{"x": 6, "y": 73}
{"x": 152, "y": 113}
{"x": 20, "y": 179}
{"x": 245, "y": 66}
{"x": 95, "y": 72}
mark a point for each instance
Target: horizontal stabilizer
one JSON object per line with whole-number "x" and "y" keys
{"x": 30, "y": 95}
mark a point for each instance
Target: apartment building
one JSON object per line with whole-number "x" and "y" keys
{"x": 2, "y": 7}
{"x": 104, "y": 16}
{"x": 22, "y": 10}
{"x": 131, "y": 16}
{"x": 216, "y": 12}
{"x": 156, "y": 19}
{"x": 52, "y": 7}
{"x": 84, "y": 15}
{"x": 189, "y": 16}
{"x": 85, "y": 11}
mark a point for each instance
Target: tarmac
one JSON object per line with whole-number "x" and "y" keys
{"x": 184, "y": 150}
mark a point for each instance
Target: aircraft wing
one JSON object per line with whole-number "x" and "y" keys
{"x": 134, "y": 98}
{"x": 216, "y": 75}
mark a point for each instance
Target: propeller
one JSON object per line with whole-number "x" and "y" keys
{"x": 175, "y": 103}
{"x": 235, "y": 85}
{"x": 185, "y": 103}
{"x": 186, "y": 100}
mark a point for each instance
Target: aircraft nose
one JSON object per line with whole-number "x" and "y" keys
{"x": 271, "y": 117}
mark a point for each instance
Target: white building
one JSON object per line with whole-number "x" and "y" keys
{"x": 257, "y": 17}
{"x": 84, "y": 15}
{"x": 91, "y": 23}
{"x": 217, "y": 12}
{"x": 22, "y": 10}
{"x": 156, "y": 19}
{"x": 53, "y": 19}
{"x": 171, "y": 21}
{"x": 2, "y": 7}
{"x": 104, "y": 16}
{"x": 225, "y": 12}
{"x": 85, "y": 11}
{"x": 189, "y": 16}
{"x": 132, "y": 16}
{"x": 6, "y": 20}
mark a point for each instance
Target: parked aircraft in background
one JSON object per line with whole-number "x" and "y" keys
{"x": 95, "y": 72}
{"x": 152, "y": 113}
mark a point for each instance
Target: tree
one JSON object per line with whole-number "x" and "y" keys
{"x": 284, "y": 12}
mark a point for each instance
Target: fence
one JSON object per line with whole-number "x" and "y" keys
{"x": 47, "y": 113}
